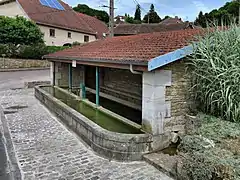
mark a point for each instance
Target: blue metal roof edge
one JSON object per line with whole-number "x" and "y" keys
{"x": 169, "y": 57}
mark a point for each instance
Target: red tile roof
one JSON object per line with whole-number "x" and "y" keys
{"x": 139, "y": 48}
{"x": 171, "y": 20}
{"x": 131, "y": 29}
{"x": 96, "y": 25}
{"x": 67, "y": 19}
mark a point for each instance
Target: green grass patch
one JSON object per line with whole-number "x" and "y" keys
{"x": 213, "y": 151}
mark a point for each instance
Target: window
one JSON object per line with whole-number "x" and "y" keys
{"x": 52, "y": 32}
{"x": 69, "y": 35}
{"x": 86, "y": 38}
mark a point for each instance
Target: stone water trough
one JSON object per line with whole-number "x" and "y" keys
{"x": 117, "y": 143}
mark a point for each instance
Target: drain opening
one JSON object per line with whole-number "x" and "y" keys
{"x": 9, "y": 112}
{"x": 17, "y": 107}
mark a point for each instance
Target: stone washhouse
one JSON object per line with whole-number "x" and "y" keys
{"x": 145, "y": 72}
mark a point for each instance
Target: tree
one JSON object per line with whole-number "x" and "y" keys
{"x": 137, "y": 15}
{"x": 101, "y": 15}
{"x": 19, "y": 31}
{"x": 152, "y": 16}
{"x": 131, "y": 20}
{"x": 226, "y": 14}
{"x": 201, "y": 20}
{"x": 166, "y": 17}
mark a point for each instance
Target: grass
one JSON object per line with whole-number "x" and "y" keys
{"x": 213, "y": 151}
{"x": 215, "y": 72}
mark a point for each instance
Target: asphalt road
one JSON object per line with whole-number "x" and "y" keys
{"x": 11, "y": 80}
{"x": 15, "y": 80}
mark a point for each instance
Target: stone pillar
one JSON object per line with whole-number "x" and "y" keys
{"x": 52, "y": 73}
{"x": 154, "y": 107}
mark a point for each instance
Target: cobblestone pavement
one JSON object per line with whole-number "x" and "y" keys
{"x": 46, "y": 149}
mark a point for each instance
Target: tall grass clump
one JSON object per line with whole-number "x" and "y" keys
{"x": 215, "y": 73}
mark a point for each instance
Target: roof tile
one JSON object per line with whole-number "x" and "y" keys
{"x": 98, "y": 26}
{"x": 67, "y": 18}
{"x": 142, "y": 47}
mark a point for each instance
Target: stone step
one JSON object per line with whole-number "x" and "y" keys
{"x": 163, "y": 162}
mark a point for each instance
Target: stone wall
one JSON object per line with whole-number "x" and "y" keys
{"x": 118, "y": 146}
{"x": 122, "y": 80}
{"x": 121, "y": 84}
{"x": 22, "y": 63}
{"x": 165, "y": 102}
{"x": 62, "y": 74}
{"x": 177, "y": 94}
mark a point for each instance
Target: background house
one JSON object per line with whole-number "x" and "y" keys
{"x": 57, "y": 20}
{"x": 131, "y": 29}
{"x": 171, "y": 20}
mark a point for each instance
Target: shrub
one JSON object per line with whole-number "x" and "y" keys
{"x": 76, "y": 43}
{"x": 28, "y": 52}
{"x": 19, "y": 30}
{"x": 216, "y": 73}
{"x": 52, "y": 49}
{"x": 32, "y": 52}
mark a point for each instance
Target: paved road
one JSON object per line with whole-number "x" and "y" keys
{"x": 13, "y": 80}
{"x": 10, "y": 80}
{"x": 46, "y": 149}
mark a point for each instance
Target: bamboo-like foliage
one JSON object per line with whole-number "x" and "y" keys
{"x": 215, "y": 73}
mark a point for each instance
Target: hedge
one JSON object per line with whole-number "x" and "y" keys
{"x": 28, "y": 52}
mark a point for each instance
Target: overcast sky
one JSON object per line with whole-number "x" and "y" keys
{"x": 186, "y": 9}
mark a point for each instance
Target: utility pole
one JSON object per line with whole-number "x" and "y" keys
{"x": 111, "y": 17}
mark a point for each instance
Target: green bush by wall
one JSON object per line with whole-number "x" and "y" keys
{"x": 28, "y": 52}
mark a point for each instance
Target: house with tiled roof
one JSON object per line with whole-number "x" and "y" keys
{"x": 171, "y": 20}
{"x": 131, "y": 29}
{"x": 145, "y": 73}
{"x": 60, "y": 24}
{"x": 99, "y": 27}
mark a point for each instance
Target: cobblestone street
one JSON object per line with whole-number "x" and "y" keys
{"x": 46, "y": 149}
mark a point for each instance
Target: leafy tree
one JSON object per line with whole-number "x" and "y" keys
{"x": 19, "y": 31}
{"x": 166, "y": 17}
{"x": 101, "y": 15}
{"x": 131, "y": 20}
{"x": 225, "y": 14}
{"x": 152, "y": 16}
{"x": 201, "y": 20}
{"x": 137, "y": 15}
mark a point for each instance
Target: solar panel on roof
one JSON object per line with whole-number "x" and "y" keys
{"x": 52, "y": 4}
{"x": 44, "y": 2}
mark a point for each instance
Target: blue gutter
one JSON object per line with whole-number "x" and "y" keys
{"x": 169, "y": 57}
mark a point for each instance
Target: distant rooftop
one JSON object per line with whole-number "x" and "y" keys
{"x": 131, "y": 29}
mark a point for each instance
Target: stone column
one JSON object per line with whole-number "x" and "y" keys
{"x": 52, "y": 73}
{"x": 154, "y": 107}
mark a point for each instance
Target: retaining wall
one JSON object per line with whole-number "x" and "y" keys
{"x": 118, "y": 146}
{"x": 8, "y": 63}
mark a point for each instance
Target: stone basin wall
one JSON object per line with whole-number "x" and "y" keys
{"x": 118, "y": 146}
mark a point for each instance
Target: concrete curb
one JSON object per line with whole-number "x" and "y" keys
{"x": 15, "y": 173}
{"x": 23, "y": 69}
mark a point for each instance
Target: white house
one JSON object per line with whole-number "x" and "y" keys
{"x": 60, "y": 24}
